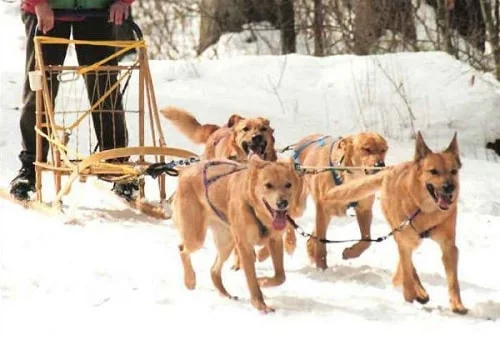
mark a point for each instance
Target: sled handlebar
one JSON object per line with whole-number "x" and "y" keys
{"x": 95, "y": 13}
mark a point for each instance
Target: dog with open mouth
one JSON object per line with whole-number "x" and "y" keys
{"x": 236, "y": 140}
{"x": 419, "y": 199}
{"x": 365, "y": 149}
{"x": 244, "y": 205}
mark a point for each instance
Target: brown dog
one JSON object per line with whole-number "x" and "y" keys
{"x": 261, "y": 193}
{"x": 240, "y": 137}
{"x": 419, "y": 199}
{"x": 361, "y": 150}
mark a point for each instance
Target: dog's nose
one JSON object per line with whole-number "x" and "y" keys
{"x": 282, "y": 204}
{"x": 448, "y": 187}
{"x": 257, "y": 139}
{"x": 380, "y": 164}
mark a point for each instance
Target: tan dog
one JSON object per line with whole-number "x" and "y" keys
{"x": 236, "y": 140}
{"x": 420, "y": 198}
{"x": 261, "y": 193}
{"x": 360, "y": 150}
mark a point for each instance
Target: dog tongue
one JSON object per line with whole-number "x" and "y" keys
{"x": 279, "y": 220}
{"x": 443, "y": 203}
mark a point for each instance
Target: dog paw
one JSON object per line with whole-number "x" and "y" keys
{"x": 270, "y": 281}
{"x": 422, "y": 300}
{"x": 349, "y": 253}
{"x": 261, "y": 306}
{"x": 458, "y": 308}
{"x": 461, "y": 310}
{"x": 190, "y": 282}
{"x": 235, "y": 267}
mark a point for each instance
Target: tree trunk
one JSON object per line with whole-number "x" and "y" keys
{"x": 221, "y": 16}
{"x": 286, "y": 20}
{"x": 493, "y": 32}
{"x": 375, "y": 16}
{"x": 319, "y": 37}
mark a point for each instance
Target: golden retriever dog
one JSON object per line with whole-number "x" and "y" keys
{"x": 236, "y": 140}
{"x": 419, "y": 199}
{"x": 365, "y": 149}
{"x": 244, "y": 205}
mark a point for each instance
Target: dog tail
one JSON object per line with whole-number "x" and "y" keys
{"x": 188, "y": 125}
{"x": 357, "y": 189}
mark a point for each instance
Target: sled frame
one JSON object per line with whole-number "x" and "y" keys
{"x": 95, "y": 164}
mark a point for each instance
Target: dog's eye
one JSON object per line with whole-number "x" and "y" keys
{"x": 263, "y": 129}
{"x": 288, "y": 185}
{"x": 268, "y": 185}
{"x": 246, "y": 129}
{"x": 454, "y": 171}
{"x": 434, "y": 172}
{"x": 367, "y": 150}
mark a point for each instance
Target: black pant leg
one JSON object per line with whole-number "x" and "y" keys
{"x": 52, "y": 55}
{"x": 109, "y": 119}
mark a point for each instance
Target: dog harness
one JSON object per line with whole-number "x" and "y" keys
{"x": 207, "y": 181}
{"x": 263, "y": 230}
{"x": 337, "y": 179}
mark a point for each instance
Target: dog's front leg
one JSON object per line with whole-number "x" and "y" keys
{"x": 364, "y": 217}
{"x": 315, "y": 248}
{"x": 276, "y": 247}
{"x": 247, "y": 260}
{"x": 406, "y": 267}
{"x": 450, "y": 262}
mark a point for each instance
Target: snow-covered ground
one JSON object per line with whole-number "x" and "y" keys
{"x": 105, "y": 271}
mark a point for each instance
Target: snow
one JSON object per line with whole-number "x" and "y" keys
{"x": 104, "y": 271}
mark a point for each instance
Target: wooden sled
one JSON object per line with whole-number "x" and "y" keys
{"x": 67, "y": 160}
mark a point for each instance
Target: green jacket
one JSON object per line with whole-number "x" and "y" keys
{"x": 85, "y": 4}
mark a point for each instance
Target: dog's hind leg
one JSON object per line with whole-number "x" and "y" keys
{"x": 290, "y": 240}
{"x": 190, "y": 221}
{"x": 290, "y": 244}
{"x": 364, "y": 218}
{"x": 276, "y": 248}
{"x": 225, "y": 244}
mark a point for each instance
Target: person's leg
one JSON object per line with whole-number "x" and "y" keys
{"x": 109, "y": 119}
{"x": 54, "y": 55}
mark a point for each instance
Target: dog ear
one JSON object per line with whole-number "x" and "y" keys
{"x": 255, "y": 161}
{"x": 233, "y": 120}
{"x": 346, "y": 145}
{"x": 453, "y": 149}
{"x": 421, "y": 149}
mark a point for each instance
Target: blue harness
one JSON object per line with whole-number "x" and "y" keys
{"x": 337, "y": 179}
